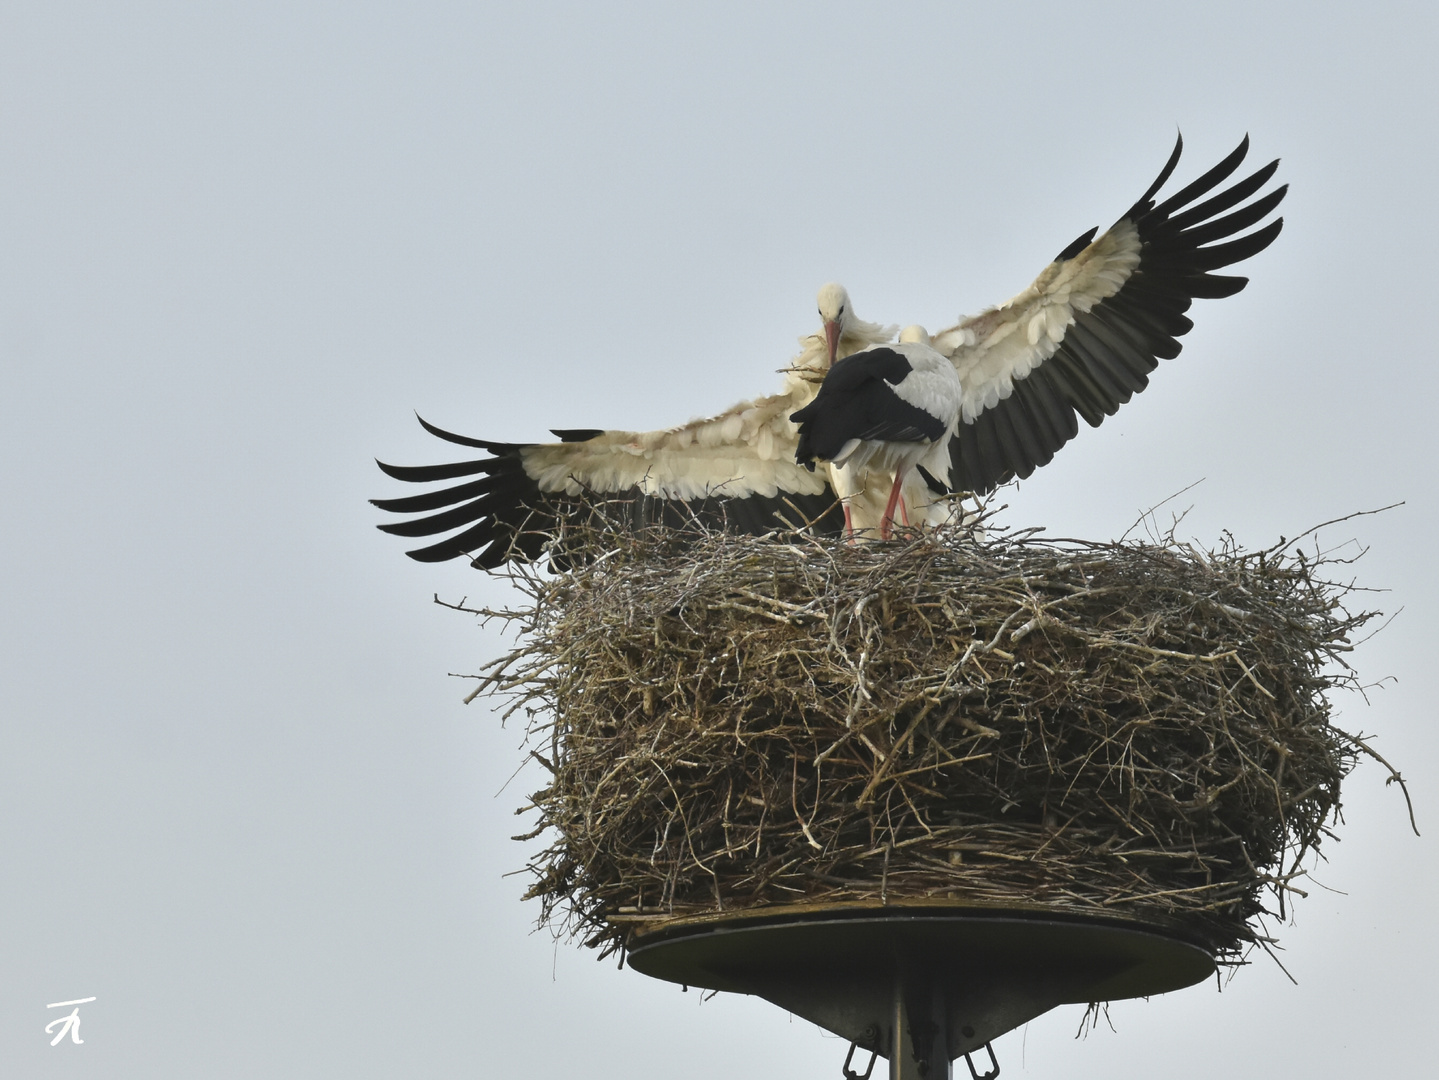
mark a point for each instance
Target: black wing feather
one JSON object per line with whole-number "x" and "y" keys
{"x": 1230, "y": 196}
{"x": 433, "y": 500}
{"x": 1206, "y": 183}
{"x": 1077, "y": 245}
{"x": 1081, "y": 389}
{"x": 503, "y": 515}
{"x": 423, "y": 474}
{"x": 1048, "y": 407}
{"x": 1106, "y": 354}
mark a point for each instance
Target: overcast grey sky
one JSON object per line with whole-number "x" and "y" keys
{"x": 240, "y": 801}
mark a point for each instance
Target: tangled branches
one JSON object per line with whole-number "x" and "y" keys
{"x": 730, "y": 722}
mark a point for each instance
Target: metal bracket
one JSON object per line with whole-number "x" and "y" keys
{"x": 849, "y": 1074}
{"x": 993, "y": 1065}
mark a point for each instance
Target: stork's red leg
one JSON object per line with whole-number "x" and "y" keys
{"x": 886, "y": 522}
{"x": 848, "y": 523}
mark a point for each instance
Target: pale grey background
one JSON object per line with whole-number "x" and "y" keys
{"x": 239, "y": 242}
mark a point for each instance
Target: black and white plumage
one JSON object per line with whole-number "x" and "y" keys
{"x": 882, "y": 411}
{"x": 1083, "y": 338}
{"x": 1079, "y": 342}
{"x": 736, "y": 470}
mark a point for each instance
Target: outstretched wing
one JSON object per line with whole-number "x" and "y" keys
{"x": 736, "y": 470}
{"x": 1083, "y": 338}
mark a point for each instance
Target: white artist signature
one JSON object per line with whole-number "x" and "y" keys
{"x": 69, "y": 1024}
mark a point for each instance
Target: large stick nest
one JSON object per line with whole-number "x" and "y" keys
{"x": 1133, "y": 730}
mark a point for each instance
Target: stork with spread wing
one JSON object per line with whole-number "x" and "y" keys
{"x": 1079, "y": 342}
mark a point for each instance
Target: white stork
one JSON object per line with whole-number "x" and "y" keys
{"x": 882, "y": 411}
{"x": 1079, "y": 342}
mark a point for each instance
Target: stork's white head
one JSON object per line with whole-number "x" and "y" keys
{"x": 834, "y": 310}
{"x": 917, "y": 335}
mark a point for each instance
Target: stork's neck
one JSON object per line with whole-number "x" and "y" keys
{"x": 840, "y": 334}
{"x": 858, "y": 334}
{"x": 806, "y": 369}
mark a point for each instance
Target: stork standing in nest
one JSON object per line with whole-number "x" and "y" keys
{"x": 883, "y": 411}
{"x": 1079, "y": 342}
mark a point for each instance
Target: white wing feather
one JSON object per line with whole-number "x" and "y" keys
{"x": 746, "y": 450}
{"x": 1004, "y": 344}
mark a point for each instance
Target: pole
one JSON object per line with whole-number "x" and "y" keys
{"x": 919, "y": 1049}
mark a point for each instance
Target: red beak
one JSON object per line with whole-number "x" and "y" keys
{"x": 831, "y": 337}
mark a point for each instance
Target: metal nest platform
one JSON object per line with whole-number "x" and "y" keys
{"x": 920, "y": 985}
